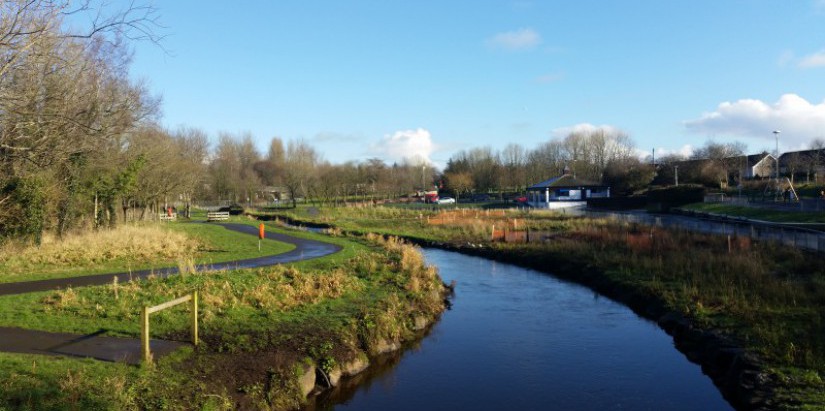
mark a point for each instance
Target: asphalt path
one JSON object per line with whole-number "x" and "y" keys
{"x": 96, "y": 345}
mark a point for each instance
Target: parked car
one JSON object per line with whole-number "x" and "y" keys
{"x": 446, "y": 200}
{"x": 521, "y": 199}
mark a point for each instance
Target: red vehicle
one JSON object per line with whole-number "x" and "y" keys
{"x": 522, "y": 199}
{"x": 431, "y": 197}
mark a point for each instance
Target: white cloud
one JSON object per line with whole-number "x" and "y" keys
{"x": 684, "y": 151}
{"x": 415, "y": 145}
{"x": 799, "y": 120}
{"x": 814, "y": 60}
{"x": 562, "y": 132}
{"x": 522, "y": 39}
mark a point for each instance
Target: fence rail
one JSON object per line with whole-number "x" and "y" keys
{"x": 144, "y": 321}
{"x": 217, "y": 216}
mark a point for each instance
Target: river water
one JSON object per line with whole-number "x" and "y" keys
{"x": 517, "y": 339}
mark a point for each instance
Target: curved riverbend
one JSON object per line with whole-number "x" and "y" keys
{"x": 519, "y": 339}
{"x": 305, "y": 249}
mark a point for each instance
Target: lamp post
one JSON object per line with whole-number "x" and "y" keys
{"x": 676, "y": 174}
{"x": 776, "y": 135}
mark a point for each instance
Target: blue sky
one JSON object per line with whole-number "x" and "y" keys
{"x": 393, "y": 79}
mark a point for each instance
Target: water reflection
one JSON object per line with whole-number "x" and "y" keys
{"x": 516, "y": 339}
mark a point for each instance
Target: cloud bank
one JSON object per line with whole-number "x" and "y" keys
{"x": 814, "y": 60}
{"x": 522, "y": 39}
{"x": 585, "y": 128}
{"x": 799, "y": 120}
{"x": 412, "y": 145}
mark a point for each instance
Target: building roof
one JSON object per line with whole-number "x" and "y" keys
{"x": 563, "y": 181}
{"x": 754, "y": 159}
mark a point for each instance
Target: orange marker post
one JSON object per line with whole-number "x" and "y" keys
{"x": 261, "y": 235}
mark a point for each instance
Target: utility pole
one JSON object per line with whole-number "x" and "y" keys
{"x": 776, "y": 135}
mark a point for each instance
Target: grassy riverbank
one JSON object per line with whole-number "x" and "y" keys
{"x": 261, "y": 329}
{"x": 767, "y": 299}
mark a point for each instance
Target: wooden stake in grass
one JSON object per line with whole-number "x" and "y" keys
{"x": 114, "y": 286}
{"x": 729, "y": 245}
{"x": 146, "y": 353}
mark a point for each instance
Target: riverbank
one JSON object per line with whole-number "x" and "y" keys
{"x": 749, "y": 313}
{"x": 270, "y": 336}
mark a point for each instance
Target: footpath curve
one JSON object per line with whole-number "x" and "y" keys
{"x": 95, "y": 345}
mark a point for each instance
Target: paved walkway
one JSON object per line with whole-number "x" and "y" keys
{"x": 101, "y": 347}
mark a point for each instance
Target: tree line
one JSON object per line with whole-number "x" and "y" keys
{"x": 81, "y": 145}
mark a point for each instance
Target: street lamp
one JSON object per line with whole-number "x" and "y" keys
{"x": 776, "y": 135}
{"x": 676, "y": 174}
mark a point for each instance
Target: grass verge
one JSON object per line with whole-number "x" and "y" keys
{"x": 131, "y": 247}
{"x": 261, "y": 329}
{"x": 754, "y": 213}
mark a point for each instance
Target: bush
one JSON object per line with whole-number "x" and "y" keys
{"x": 25, "y": 213}
{"x": 234, "y": 209}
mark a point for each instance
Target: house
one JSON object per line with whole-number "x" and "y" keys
{"x": 804, "y": 163}
{"x": 758, "y": 165}
{"x": 564, "y": 191}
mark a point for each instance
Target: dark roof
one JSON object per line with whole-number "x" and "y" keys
{"x": 753, "y": 159}
{"x": 794, "y": 156}
{"x": 563, "y": 181}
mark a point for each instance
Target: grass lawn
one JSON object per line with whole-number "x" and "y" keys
{"x": 777, "y": 216}
{"x": 211, "y": 243}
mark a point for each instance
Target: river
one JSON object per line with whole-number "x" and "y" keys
{"x": 517, "y": 339}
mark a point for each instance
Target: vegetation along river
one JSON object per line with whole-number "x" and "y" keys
{"x": 517, "y": 339}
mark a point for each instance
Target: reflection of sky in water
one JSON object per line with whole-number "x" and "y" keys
{"x": 521, "y": 340}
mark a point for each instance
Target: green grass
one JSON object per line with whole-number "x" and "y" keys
{"x": 217, "y": 245}
{"x": 325, "y": 311}
{"x": 777, "y": 216}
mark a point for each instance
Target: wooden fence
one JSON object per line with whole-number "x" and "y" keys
{"x": 168, "y": 217}
{"x": 144, "y": 321}
{"x": 217, "y": 216}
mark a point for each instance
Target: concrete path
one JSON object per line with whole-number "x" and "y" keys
{"x": 96, "y": 345}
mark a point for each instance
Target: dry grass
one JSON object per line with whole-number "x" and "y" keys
{"x": 136, "y": 244}
{"x": 270, "y": 289}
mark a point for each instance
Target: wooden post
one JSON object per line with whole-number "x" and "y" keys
{"x": 195, "y": 318}
{"x": 144, "y": 334}
{"x": 729, "y": 244}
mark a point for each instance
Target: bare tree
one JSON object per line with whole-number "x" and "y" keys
{"x": 299, "y": 168}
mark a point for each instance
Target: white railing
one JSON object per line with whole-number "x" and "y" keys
{"x": 217, "y": 216}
